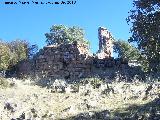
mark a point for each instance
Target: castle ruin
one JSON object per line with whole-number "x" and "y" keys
{"x": 72, "y": 61}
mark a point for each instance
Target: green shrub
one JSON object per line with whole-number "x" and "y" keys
{"x": 95, "y": 82}
{"x": 4, "y": 56}
{"x": 3, "y": 83}
{"x": 61, "y": 34}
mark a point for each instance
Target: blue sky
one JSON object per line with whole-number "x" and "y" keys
{"x": 31, "y": 22}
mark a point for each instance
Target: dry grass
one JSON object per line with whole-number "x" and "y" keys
{"x": 40, "y": 103}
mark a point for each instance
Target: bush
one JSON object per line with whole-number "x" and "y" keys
{"x": 61, "y": 34}
{"x": 19, "y": 51}
{"x": 95, "y": 82}
{"x": 3, "y": 83}
{"x": 4, "y": 56}
{"x": 12, "y": 53}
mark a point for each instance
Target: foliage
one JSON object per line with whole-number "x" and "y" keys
{"x": 4, "y": 56}
{"x": 95, "y": 81}
{"x": 19, "y": 51}
{"x": 60, "y": 34}
{"x": 3, "y": 83}
{"x": 125, "y": 50}
{"x": 145, "y": 19}
{"x": 14, "y": 52}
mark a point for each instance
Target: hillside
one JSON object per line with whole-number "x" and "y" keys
{"x": 90, "y": 99}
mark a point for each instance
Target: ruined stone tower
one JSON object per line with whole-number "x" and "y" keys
{"x": 105, "y": 43}
{"x": 70, "y": 61}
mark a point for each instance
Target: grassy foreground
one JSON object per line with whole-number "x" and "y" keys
{"x": 23, "y": 99}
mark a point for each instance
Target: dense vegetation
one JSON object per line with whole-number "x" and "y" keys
{"x": 145, "y": 20}
{"x": 60, "y": 34}
{"x": 14, "y": 52}
{"x": 126, "y": 50}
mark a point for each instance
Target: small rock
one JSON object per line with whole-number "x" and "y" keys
{"x": 22, "y": 116}
{"x": 10, "y": 106}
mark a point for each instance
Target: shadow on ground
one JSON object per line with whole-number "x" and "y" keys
{"x": 149, "y": 111}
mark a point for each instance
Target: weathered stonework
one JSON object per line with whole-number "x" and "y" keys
{"x": 63, "y": 61}
{"x": 105, "y": 43}
{"x": 73, "y": 61}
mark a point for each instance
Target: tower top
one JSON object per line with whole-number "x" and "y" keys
{"x": 102, "y": 28}
{"x": 105, "y": 43}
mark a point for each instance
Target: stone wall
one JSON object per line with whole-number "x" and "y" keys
{"x": 63, "y": 61}
{"x": 69, "y": 61}
{"x": 73, "y": 61}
